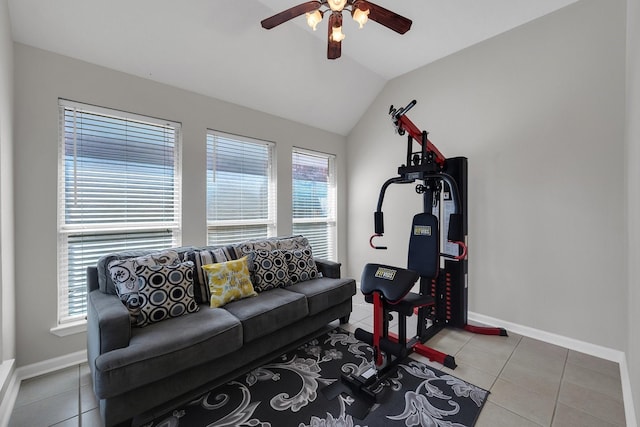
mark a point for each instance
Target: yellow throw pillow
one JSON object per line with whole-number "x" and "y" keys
{"x": 229, "y": 281}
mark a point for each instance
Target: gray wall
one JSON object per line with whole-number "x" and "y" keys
{"x": 7, "y": 301}
{"x": 633, "y": 193}
{"x": 539, "y": 111}
{"x": 40, "y": 79}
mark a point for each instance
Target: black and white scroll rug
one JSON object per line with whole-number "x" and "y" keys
{"x": 287, "y": 392}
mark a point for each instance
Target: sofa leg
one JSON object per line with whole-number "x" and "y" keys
{"x": 345, "y": 319}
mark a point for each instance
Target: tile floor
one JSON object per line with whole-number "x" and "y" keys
{"x": 532, "y": 384}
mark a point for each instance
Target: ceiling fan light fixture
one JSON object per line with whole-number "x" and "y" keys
{"x": 314, "y": 18}
{"x": 336, "y": 34}
{"x": 360, "y": 16}
{"x": 337, "y": 5}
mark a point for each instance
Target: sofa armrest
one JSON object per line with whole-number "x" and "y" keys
{"x": 108, "y": 324}
{"x": 328, "y": 268}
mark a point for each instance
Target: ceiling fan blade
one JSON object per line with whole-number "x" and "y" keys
{"x": 389, "y": 19}
{"x": 285, "y": 15}
{"x": 334, "y": 48}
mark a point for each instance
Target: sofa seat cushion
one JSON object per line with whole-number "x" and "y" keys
{"x": 323, "y": 293}
{"x": 268, "y": 312}
{"x": 165, "y": 348}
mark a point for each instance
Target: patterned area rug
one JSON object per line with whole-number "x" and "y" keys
{"x": 287, "y": 392}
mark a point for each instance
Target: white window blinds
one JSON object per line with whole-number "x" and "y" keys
{"x": 241, "y": 189}
{"x": 314, "y": 201}
{"x": 119, "y": 189}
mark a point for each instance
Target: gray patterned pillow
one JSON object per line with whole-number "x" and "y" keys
{"x": 124, "y": 274}
{"x": 293, "y": 242}
{"x": 249, "y": 246}
{"x": 165, "y": 291}
{"x": 269, "y": 270}
{"x": 301, "y": 265}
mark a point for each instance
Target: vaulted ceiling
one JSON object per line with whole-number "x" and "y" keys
{"x": 218, "y": 48}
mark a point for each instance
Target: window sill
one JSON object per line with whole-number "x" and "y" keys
{"x": 70, "y": 328}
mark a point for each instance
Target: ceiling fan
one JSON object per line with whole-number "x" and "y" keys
{"x": 361, "y": 11}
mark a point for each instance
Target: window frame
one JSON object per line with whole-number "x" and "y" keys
{"x": 330, "y": 220}
{"x": 66, "y": 231}
{"x": 270, "y": 222}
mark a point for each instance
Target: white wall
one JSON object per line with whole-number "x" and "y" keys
{"x": 539, "y": 112}
{"x": 633, "y": 193}
{"x": 40, "y": 79}
{"x": 7, "y": 300}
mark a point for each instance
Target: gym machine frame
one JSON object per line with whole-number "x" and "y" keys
{"x": 442, "y": 181}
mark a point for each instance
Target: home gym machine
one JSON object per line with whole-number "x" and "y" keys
{"x": 439, "y": 264}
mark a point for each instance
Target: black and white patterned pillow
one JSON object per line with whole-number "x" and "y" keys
{"x": 124, "y": 274}
{"x": 300, "y": 264}
{"x": 269, "y": 270}
{"x": 204, "y": 257}
{"x": 165, "y": 291}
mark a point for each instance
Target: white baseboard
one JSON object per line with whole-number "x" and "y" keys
{"x": 572, "y": 344}
{"x": 15, "y": 376}
{"x": 51, "y": 365}
{"x": 7, "y": 383}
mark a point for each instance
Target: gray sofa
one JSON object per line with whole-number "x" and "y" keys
{"x": 138, "y": 370}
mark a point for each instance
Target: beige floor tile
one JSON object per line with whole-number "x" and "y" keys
{"x": 550, "y": 362}
{"x": 34, "y": 389}
{"x": 449, "y": 341}
{"x": 88, "y": 399}
{"x": 593, "y": 363}
{"x": 592, "y": 402}
{"x": 523, "y": 401}
{"x": 91, "y": 419}
{"x": 536, "y": 380}
{"x": 495, "y": 343}
{"x": 594, "y": 380}
{"x": 493, "y": 415}
{"x": 566, "y": 416}
{"x": 46, "y": 412}
{"x": 71, "y": 422}
{"x": 538, "y": 347}
{"x": 475, "y": 357}
{"x": 85, "y": 375}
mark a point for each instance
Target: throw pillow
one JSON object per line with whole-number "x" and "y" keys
{"x": 200, "y": 258}
{"x": 249, "y": 246}
{"x": 293, "y": 242}
{"x": 301, "y": 265}
{"x": 165, "y": 291}
{"x": 228, "y": 281}
{"x": 270, "y": 270}
{"x": 123, "y": 273}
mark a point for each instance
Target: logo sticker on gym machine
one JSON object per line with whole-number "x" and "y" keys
{"x": 422, "y": 230}
{"x": 385, "y": 273}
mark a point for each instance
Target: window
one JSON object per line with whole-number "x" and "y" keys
{"x": 119, "y": 189}
{"x": 241, "y": 189}
{"x": 314, "y": 201}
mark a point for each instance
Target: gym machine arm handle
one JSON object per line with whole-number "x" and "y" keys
{"x": 378, "y": 217}
{"x": 403, "y": 124}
